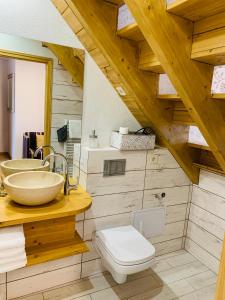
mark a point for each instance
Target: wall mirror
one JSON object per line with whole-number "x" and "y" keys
{"x": 41, "y": 91}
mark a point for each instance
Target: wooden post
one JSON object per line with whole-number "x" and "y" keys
{"x": 220, "y": 292}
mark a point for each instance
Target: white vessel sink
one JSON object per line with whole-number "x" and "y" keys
{"x": 9, "y": 167}
{"x": 34, "y": 187}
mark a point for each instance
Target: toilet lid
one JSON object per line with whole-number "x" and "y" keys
{"x": 126, "y": 245}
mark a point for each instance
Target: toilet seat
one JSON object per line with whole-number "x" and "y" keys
{"x": 125, "y": 245}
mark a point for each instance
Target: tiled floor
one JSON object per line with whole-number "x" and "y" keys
{"x": 174, "y": 276}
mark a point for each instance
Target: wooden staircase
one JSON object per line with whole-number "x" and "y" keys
{"x": 185, "y": 40}
{"x": 71, "y": 58}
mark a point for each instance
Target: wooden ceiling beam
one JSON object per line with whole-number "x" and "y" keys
{"x": 72, "y": 63}
{"x": 171, "y": 41}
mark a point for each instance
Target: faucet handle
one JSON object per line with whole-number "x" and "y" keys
{"x": 2, "y": 188}
{"x": 72, "y": 187}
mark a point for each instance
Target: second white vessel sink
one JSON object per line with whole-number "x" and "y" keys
{"x": 34, "y": 187}
{"x": 9, "y": 167}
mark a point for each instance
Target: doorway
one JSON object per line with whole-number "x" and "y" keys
{"x": 25, "y": 103}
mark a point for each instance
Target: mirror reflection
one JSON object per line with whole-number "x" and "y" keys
{"x": 22, "y": 107}
{"x": 41, "y": 103}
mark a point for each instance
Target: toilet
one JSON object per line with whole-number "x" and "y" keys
{"x": 124, "y": 250}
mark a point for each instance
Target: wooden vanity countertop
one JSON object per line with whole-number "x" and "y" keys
{"x": 12, "y": 213}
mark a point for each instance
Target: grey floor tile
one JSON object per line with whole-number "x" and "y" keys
{"x": 207, "y": 293}
{"x": 182, "y": 272}
{"x": 202, "y": 280}
{"x": 80, "y": 288}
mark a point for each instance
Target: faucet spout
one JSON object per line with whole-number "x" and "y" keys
{"x": 43, "y": 147}
{"x": 67, "y": 186}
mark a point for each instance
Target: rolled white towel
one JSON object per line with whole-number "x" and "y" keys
{"x": 11, "y": 252}
{"x": 13, "y": 266}
{"x": 11, "y": 237}
{"x": 12, "y": 259}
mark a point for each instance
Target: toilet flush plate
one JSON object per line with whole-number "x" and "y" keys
{"x": 150, "y": 222}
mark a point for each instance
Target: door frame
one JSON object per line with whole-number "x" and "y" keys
{"x": 48, "y": 85}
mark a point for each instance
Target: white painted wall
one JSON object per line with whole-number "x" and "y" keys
{"x": 103, "y": 109}
{"x": 24, "y": 45}
{"x": 36, "y": 19}
{"x": 4, "y": 128}
{"x": 29, "y": 102}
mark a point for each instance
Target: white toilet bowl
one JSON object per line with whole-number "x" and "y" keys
{"x": 124, "y": 251}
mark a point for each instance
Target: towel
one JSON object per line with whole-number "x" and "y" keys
{"x": 11, "y": 252}
{"x": 13, "y": 259}
{"x": 13, "y": 266}
{"x": 12, "y": 248}
{"x": 74, "y": 129}
{"x": 11, "y": 237}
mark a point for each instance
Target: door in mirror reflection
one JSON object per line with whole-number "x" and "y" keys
{"x": 22, "y": 107}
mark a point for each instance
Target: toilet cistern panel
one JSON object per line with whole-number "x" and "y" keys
{"x": 150, "y": 222}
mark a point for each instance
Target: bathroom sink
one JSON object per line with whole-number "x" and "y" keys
{"x": 9, "y": 167}
{"x": 34, "y": 187}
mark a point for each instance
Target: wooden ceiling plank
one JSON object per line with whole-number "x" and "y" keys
{"x": 147, "y": 59}
{"x": 218, "y": 96}
{"x": 72, "y": 20}
{"x": 171, "y": 41}
{"x": 209, "y": 47}
{"x": 196, "y": 9}
{"x": 70, "y": 62}
{"x": 175, "y": 97}
{"x": 198, "y": 146}
{"x": 169, "y": 97}
{"x": 117, "y": 2}
{"x": 210, "y": 23}
{"x": 100, "y": 24}
{"x": 209, "y": 169}
{"x": 60, "y": 5}
{"x": 131, "y": 32}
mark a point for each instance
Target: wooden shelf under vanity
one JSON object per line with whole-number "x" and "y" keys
{"x": 50, "y": 229}
{"x": 56, "y": 250}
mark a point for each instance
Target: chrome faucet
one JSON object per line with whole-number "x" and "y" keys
{"x": 67, "y": 186}
{"x": 53, "y": 151}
